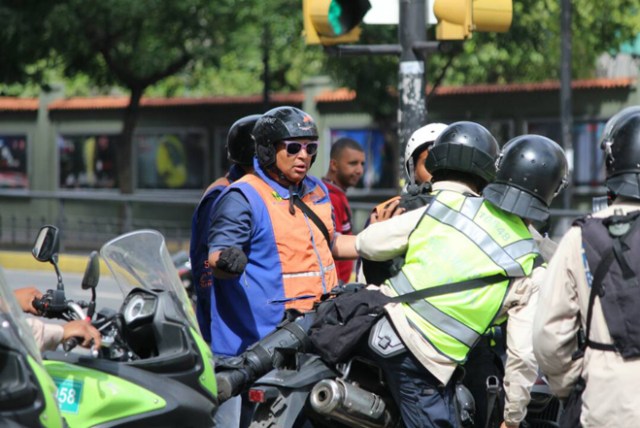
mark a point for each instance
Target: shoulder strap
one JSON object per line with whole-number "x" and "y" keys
{"x": 314, "y": 218}
{"x": 598, "y": 276}
{"x": 455, "y": 287}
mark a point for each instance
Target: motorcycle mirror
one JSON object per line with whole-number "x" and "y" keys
{"x": 47, "y": 244}
{"x": 92, "y": 272}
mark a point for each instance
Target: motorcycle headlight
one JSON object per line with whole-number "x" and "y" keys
{"x": 139, "y": 308}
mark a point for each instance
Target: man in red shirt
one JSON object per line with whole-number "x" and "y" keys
{"x": 345, "y": 169}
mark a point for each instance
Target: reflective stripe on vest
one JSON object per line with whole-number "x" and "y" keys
{"x": 448, "y": 324}
{"x": 500, "y": 256}
{"x": 486, "y": 241}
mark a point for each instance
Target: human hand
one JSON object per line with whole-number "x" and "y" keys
{"x": 84, "y": 332}
{"x": 386, "y": 211}
{"x": 26, "y": 296}
{"x": 511, "y": 425}
{"x": 232, "y": 260}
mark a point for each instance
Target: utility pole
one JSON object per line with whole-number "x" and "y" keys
{"x": 412, "y": 109}
{"x": 266, "y": 45}
{"x": 412, "y": 49}
{"x": 566, "y": 114}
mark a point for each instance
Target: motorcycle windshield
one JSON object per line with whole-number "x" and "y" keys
{"x": 15, "y": 333}
{"x": 140, "y": 259}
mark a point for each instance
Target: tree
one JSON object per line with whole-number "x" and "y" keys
{"x": 135, "y": 45}
{"x": 264, "y": 25}
{"x": 23, "y": 50}
{"x": 528, "y": 52}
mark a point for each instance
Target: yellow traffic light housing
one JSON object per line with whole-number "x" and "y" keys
{"x": 331, "y": 22}
{"x": 457, "y": 19}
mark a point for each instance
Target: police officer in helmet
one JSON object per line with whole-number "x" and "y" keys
{"x": 212, "y": 293}
{"x": 531, "y": 171}
{"x": 591, "y": 291}
{"x": 458, "y": 238}
{"x": 415, "y": 194}
{"x": 240, "y": 151}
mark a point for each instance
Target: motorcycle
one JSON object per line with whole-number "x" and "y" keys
{"x": 294, "y": 387}
{"x": 291, "y": 386}
{"x": 27, "y": 393}
{"x": 154, "y": 368}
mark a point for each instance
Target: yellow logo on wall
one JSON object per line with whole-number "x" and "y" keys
{"x": 171, "y": 162}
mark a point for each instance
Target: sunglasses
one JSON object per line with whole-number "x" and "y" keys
{"x": 294, "y": 147}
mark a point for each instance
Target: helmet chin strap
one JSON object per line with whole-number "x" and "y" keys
{"x": 412, "y": 170}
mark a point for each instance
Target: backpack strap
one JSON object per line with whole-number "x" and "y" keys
{"x": 601, "y": 271}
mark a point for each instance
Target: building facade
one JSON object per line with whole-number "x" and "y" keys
{"x": 58, "y": 155}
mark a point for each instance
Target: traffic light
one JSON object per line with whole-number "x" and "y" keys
{"x": 331, "y": 22}
{"x": 457, "y": 19}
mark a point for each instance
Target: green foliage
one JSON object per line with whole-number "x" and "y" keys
{"x": 136, "y": 44}
{"x": 23, "y": 53}
{"x": 203, "y": 47}
{"x": 528, "y": 52}
{"x": 373, "y": 78}
{"x": 275, "y": 26}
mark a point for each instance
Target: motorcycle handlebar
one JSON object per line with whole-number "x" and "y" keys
{"x": 258, "y": 358}
{"x": 231, "y": 383}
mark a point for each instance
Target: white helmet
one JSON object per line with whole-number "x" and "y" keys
{"x": 425, "y": 135}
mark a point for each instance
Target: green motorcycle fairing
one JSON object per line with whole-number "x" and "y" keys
{"x": 208, "y": 377}
{"x": 88, "y": 397}
{"x": 50, "y": 416}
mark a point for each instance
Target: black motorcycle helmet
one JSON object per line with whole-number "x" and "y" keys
{"x": 531, "y": 170}
{"x": 278, "y": 124}
{"x": 241, "y": 145}
{"x": 616, "y": 119}
{"x": 622, "y": 157}
{"x": 466, "y": 147}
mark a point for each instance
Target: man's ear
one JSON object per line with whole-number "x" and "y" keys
{"x": 333, "y": 165}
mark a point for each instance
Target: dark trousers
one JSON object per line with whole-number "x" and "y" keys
{"x": 423, "y": 400}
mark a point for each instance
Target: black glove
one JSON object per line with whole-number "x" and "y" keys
{"x": 232, "y": 260}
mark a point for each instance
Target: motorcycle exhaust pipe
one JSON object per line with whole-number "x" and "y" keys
{"x": 349, "y": 404}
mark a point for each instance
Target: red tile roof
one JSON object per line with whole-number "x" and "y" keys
{"x": 345, "y": 95}
{"x": 18, "y": 104}
{"x": 330, "y": 96}
{"x": 110, "y": 103}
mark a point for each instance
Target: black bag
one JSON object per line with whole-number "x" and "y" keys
{"x": 342, "y": 321}
{"x": 572, "y": 407}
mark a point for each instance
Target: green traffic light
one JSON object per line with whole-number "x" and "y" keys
{"x": 345, "y": 15}
{"x": 335, "y": 16}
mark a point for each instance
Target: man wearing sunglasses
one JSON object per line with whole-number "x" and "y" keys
{"x": 274, "y": 230}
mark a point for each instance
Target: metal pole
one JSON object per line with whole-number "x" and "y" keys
{"x": 566, "y": 114}
{"x": 412, "y": 111}
{"x": 266, "y": 44}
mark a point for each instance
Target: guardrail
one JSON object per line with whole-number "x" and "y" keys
{"x": 19, "y": 231}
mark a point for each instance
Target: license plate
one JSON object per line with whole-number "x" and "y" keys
{"x": 69, "y": 394}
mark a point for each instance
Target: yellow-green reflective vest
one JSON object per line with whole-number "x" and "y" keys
{"x": 461, "y": 238}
